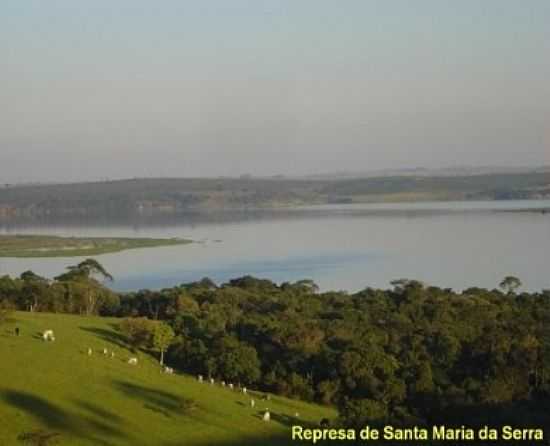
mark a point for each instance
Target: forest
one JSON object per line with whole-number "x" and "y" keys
{"x": 143, "y": 196}
{"x": 413, "y": 354}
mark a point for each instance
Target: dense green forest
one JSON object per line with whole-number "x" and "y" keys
{"x": 143, "y": 196}
{"x": 412, "y": 354}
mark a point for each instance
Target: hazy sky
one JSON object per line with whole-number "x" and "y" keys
{"x": 124, "y": 88}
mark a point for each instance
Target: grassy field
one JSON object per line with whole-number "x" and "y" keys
{"x": 99, "y": 400}
{"x": 52, "y": 246}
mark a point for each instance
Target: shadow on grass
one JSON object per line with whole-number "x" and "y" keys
{"x": 287, "y": 420}
{"x": 98, "y": 411}
{"x": 62, "y": 421}
{"x": 41, "y": 409}
{"x": 111, "y": 336}
{"x": 154, "y": 399}
{"x": 158, "y": 410}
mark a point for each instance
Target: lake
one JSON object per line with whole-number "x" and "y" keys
{"x": 340, "y": 247}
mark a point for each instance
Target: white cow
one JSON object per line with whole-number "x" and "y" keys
{"x": 244, "y": 390}
{"x": 48, "y": 335}
{"x": 212, "y": 381}
{"x": 112, "y": 354}
{"x": 89, "y": 351}
{"x": 252, "y": 403}
{"x": 200, "y": 378}
{"x": 169, "y": 370}
{"x": 133, "y": 361}
{"x": 231, "y": 386}
{"x": 267, "y": 415}
{"x": 105, "y": 351}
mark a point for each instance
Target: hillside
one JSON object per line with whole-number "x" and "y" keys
{"x": 177, "y": 195}
{"x": 98, "y": 400}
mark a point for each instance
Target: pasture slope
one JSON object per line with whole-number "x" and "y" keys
{"x": 98, "y": 400}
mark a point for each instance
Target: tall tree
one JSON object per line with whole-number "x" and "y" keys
{"x": 163, "y": 336}
{"x": 88, "y": 269}
{"x": 34, "y": 288}
{"x": 510, "y": 284}
{"x": 81, "y": 283}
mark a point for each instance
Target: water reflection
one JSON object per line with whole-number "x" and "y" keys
{"x": 340, "y": 247}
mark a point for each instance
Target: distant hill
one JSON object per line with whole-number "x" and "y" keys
{"x": 56, "y": 388}
{"x": 178, "y": 195}
{"x": 432, "y": 172}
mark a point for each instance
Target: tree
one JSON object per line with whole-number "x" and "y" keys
{"x": 34, "y": 288}
{"x": 510, "y": 284}
{"x": 87, "y": 268}
{"x": 237, "y": 361}
{"x": 328, "y": 391}
{"x": 138, "y": 331}
{"x": 307, "y": 285}
{"x": 424, "y": 378}
{"x": 163, "y": 335}
{"x": 81, "y": 284}
{"x": 359, "y": 412}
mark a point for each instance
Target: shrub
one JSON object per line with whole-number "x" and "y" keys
{"x": 39, "y": 437}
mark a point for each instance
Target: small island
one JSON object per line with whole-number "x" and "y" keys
{"x": 54, "y": 246}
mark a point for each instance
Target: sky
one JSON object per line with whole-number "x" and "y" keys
{"x": 136, "y": 88}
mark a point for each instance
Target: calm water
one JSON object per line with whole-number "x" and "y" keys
{"x": 340, "y": 247}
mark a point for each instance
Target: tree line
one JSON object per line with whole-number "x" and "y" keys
{"x": 181, "y": 195}
{"x": 410, "y": 355}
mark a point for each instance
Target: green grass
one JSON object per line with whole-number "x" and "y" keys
{"x": 52, "y": 246}
{"x": 98, "y": 400}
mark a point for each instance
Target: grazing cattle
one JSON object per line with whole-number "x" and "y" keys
{"x": 200, "y": 378}
{"x": 211, "y": 381}
{"x": 266, "y": 397}
{"x": 112, "y": 354}
{"x": 105, "y": 351}
{"x": 223, "y": 383}
{"x": 89, "y": 351}
{"x": 133, "y": 361}
{"x": 252, "y": 403}
{"x": 169, "y": 370}
{"x": 48, "y": 335}
{"x": 267, "y": 415}
{"x": 231, "y": 386}
{"x": 244, "y": 389}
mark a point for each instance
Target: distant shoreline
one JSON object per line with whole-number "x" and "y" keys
{"x": 174, "y": 196}
{"x": 39, "y": 246}
{"x": 526, "y": 210}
